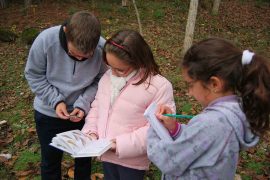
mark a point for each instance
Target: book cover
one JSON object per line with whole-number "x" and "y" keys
{"x": 161, "y": 131}
{"x": 78, "y": 144}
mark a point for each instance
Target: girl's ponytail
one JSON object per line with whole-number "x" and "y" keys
{"x": 254, "y": 87}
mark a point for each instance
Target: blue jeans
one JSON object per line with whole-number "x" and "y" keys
{"x": 118, "y": 172}
{"x": 47, "y": 127}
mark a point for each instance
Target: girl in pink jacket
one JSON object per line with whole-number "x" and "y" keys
{"x": 131, "y": 84}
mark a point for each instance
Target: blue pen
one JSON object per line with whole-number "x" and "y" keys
{"x": 179, "y": 116}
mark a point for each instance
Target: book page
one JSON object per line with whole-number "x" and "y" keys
{"x": 161, "y": 131}
{"x": 80, "y": 145}
{"x": 94, "y": 148}
{"x": 66, "y": 142}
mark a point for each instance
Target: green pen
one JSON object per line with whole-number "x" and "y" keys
{"x": 179, "y": 116}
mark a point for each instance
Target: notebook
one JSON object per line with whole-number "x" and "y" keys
{"x": 161, "y": 131}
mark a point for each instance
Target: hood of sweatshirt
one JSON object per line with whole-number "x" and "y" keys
{"x": 231, "y": 107}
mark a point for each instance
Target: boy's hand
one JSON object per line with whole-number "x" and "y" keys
{"x": 168, "y": 122}
{"x": 61, "y": 111}
{"x": 76, "y": 115}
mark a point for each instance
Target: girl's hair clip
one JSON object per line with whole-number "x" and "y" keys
{"x": 117, "y": 45}
{"x": 247, "y": 57}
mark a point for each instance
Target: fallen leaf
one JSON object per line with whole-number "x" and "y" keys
{"x": 32, "y": 130}
{"x": 97, "y": 176}
{"x": 71, "y": 172}
{"x": 24, "y": 173}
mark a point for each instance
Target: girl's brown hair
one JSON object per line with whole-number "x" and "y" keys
{"x": 130, "y": 47}
{"x": 219, "y": 57}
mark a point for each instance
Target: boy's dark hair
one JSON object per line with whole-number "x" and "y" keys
{"x": 83, "y": 30}
{"x": 219, "y": 57}
{"x": 129, "y": 46}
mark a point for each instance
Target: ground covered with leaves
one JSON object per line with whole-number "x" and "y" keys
{"x": 247, "y": 23}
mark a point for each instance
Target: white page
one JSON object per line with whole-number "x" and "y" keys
{"x": 80, "y": 145}
{"x": 100, "y": 146}
{"x": 161, "y": 131}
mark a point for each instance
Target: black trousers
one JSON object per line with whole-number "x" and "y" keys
{"x": 47, "y": 127}
{"x": 118, "y": 172}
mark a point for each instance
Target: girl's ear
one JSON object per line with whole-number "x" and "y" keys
{"x": 64, "y": 29}
{"x": 216, "y": 84}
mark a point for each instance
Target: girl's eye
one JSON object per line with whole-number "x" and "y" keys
{"x": 120, "y": 71}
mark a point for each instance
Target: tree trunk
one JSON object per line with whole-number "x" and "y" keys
{"x": 216, "y": 7}
{"x": 3, "y": 3}
{"x": 193, "y": 8}
{"x": 138, "y": 17}
{"x": 124, "y": 3}
{"x": 27, "y": 3}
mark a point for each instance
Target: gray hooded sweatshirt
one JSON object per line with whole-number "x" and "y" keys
{"x": 55, "y": 77}
{"x": 207, "y": 147}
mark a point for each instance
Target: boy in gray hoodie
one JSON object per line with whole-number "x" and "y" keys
{"x": 63, "y": 69}
{"x": 233, "y": 87}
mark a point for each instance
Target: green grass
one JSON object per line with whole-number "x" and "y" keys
{"x": 255, "y": 166}
{"x": 246, "y": 177}
{"x": 262, "y": 3}
{"x": 25, "y": 159}
{"x": 163, "y": 26}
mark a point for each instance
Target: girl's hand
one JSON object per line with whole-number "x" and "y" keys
{"x": 113, "y": 148}
{"x": 76, "y": 115}
{"x": 93, "y": 136}
{"x": 168, "y": 122}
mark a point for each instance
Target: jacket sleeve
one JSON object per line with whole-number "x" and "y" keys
{"x": 90, "y": 125}
{"x": 35, "y": 73}
{"x": 188, "y": 150}
{"x": 84, "y": 100}
{"x": 136, "y": 140}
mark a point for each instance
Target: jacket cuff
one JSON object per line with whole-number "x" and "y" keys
{"x": 176, "y": 130}
{"x": 81, "y": 110}
{"x": 57, "y": 104}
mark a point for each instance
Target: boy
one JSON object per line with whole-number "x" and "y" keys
{"x": 63, "y": 69}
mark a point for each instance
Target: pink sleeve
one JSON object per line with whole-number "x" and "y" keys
{"x": 135, "y": 141}
{"x": 90, "y": 125}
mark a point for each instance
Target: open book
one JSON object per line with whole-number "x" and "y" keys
{"x": 161, "y": 131}
{"x": 78, "y": 144}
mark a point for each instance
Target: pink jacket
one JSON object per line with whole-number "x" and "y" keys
{"x": 124, "y": 120}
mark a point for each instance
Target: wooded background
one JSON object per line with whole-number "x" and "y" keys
{"x": 163, "y": 23}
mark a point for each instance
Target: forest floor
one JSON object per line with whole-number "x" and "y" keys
{"x": 246, "y": 23}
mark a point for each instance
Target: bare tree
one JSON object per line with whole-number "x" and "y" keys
{"x": 138, "y": 17}
{"x": 193, "y": 8}
{"x": 3, "y": 3}
{"x": 124, "y": 3}
{"x": 216, "y": 7}
{"x": 27, "y": 3}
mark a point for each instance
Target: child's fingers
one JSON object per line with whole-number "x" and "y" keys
{"x": 76, "y": 115}
{"x": 62, "y": 115}
{"x": 74, "y": 112}
{"x": 93, "y": 136}
{"x": 61, "y": 111}
{"x": 163, "y": 109}
{"x": 74, "y": 118}
{"x": 163, "y": 119}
